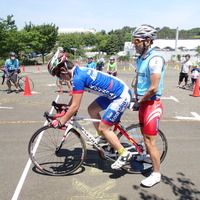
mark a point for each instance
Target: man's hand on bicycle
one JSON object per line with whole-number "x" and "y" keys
{"x": 56, "y": 124}
{"x": 134, "y": 105}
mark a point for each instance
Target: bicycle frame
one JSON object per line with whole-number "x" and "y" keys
{"x": 74, "y": 123}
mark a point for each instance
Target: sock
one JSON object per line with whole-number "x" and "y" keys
{"x": 122, "y": 151}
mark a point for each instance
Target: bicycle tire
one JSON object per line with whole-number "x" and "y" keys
{"x": 50, "y": 159}
{"x": 134, "y": 132}
{"x": 21, "y": 83}
{"x": 2, "y": 82}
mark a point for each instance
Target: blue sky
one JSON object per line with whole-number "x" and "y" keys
{"x": 104, "y": 14}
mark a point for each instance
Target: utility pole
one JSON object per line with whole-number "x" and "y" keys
{"x": 176, "y": 42}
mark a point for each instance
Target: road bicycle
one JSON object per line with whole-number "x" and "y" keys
{"x": 20, "y": 80}
{"x": 62, "y": 151}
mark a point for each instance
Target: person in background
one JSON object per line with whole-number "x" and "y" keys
{"x": 185, "y": 70}
{"x": 100, "y": 64}
{"x": 150, "y": 72}
{"x": 60, "y": 80}
{"x": 91, "y": 64}
{"x": 12, "y": 70}
{"x": 194, "y": 75}
{"x": 112, "y": 67}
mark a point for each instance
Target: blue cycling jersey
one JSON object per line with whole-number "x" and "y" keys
{"x": 97, "y": 82}
{"x": 91, "y": 65}
{"x": 152, "y": 63}
{"x": 11, "y": 65}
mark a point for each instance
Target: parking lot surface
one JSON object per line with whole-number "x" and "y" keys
{"x": 22, "y": 115}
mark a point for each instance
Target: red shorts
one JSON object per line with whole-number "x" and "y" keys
{"x": 150, "y": 113}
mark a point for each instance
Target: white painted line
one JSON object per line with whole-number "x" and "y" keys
{"x": 171, "y": 97}
{"x": 6, "y": 107}
{"x": 51, "y": 84}
{"x": 175, "y": 99}
{"x": 195, "y": 114}
{"x": 25, "y": 172}
{"x": 196, "y": 117}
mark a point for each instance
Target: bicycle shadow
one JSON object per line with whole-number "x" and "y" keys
{"x": 95, "y": 161}
{"x": 184, "y": 189}
{"x": 78, "y": 171}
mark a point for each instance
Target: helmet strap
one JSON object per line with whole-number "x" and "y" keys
{"x": 144, "y": 48}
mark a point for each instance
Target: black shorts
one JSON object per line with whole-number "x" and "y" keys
{"x": 183, "y": 76}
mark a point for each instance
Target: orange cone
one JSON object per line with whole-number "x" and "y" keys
{"x": 196, "y": 92}
{"x": 38, "y": 68}
{"x": 27, "y": 91}
{"x": 23, "y": 68}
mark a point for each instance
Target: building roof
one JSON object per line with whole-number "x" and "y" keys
{"x": 181, "y": 44}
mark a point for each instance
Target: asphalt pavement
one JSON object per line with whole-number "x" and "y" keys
{"x": 22, "y": 115}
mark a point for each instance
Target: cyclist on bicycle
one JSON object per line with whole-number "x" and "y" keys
{"x": 91, "y": 64}
{"x": 114, "y": 98}
{"x": 112, "y": 66}
{"x": 150, "y": 72}
{"x": 12, "y": 69}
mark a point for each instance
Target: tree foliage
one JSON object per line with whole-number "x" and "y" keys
{"x": 44, "y": 38}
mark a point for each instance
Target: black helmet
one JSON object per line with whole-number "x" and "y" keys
{"x": 12, "y": 53}
{"x": 187, "y": 55}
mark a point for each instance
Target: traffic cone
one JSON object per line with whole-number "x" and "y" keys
{"x": 196, "y": 92}
{"x": 27, "y": 91}
{"x": 23, "y": 68}
{"x": 38, "y": 68}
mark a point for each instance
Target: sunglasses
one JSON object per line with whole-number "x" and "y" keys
{"x": 137, "y": 40}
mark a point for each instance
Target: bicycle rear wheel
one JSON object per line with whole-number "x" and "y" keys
{"x": 21, "y": 83}
{"x": 134, "y": 132}
{"x": 54, "y": 153}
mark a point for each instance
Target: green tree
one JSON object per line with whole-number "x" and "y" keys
{"x": 45, "y": 37}
{"x": 8, "y": 36}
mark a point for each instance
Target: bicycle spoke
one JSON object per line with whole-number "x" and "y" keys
{"x": 53, "y": 159}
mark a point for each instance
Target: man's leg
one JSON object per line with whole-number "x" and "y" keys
{"x": 9, "y": 85}
{"x": 152, "y": 151}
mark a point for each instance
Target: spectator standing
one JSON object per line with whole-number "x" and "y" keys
{"x": 194, "y": 75}
{"x": 12, "y": 70}
{"x": 91, "y": 64}
{"x": 60, "y": 80}
{"x": 185, "y": 70}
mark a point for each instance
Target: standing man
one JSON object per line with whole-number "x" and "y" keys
{"x": 90, "y": 63}
{"x": 185, "y": 69}
{"x": 12, "y": 69}
{"x": 150, "y": 72}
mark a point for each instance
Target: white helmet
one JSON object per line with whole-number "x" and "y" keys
{"x": 145, "y": 32}
{"x": 55, "y": 62}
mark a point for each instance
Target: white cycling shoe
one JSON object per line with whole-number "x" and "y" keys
{"x": 144, "y": 158}
{"x": 153, "y": 179}
{"x": 121, "y": 161}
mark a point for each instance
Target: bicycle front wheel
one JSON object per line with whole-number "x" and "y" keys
{"x": 134, "y": 131}
{"x": 54, "y": 152}
{"x": 22, "y": 81}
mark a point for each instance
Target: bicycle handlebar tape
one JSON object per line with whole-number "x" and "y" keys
{"x": 27, "y": 90}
